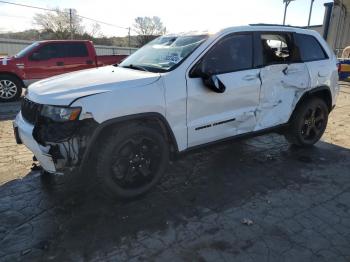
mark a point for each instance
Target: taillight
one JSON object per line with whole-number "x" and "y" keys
{"x": 339, "y": 67}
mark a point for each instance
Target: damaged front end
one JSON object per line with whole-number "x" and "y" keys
{"x": 65, "y": 137}
{"x": 67, "y": 142}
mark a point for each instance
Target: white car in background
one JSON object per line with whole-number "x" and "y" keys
{"x": 179, "y": 92}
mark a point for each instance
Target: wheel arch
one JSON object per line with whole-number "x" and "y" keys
{"x": 152, "y": 119}
{"x": 5, "y": 73}
{"x": 322, "y": 92}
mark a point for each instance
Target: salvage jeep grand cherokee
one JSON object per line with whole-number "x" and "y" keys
{"x": 176, "y": 93}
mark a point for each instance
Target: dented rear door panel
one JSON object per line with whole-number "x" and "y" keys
{"x": 282, "y": 86}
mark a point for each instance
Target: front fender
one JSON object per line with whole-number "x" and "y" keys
{"x": 123, "y": 101}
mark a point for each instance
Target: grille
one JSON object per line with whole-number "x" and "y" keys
{"x": 30, "y": 110}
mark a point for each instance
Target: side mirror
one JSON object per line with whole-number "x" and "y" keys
{"x": 214, "y": 83}
{"x": 36, "y": 57}
{"x": 209, "y": 78}
{"x": 199, "y": 71}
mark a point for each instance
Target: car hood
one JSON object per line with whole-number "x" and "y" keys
{"x": 64, "y": 89}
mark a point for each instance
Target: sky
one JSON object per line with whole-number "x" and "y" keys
{"x": 177, "y": 15}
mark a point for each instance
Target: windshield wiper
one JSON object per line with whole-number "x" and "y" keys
{"x": 137, "y": 67}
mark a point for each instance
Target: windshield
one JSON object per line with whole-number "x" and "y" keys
{"x": 26, "y": 50}
{"x": 164, "y": 53}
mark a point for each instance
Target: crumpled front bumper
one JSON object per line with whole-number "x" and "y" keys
{"x": 25, "y": 132}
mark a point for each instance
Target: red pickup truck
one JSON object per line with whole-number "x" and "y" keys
{"x": 45, "y": 59}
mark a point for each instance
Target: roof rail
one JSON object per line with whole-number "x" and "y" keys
{"x": 262, "y": 24}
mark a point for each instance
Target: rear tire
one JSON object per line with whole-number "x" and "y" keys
{"x": 131, "y": 160}
{"x": 308, "y": 123}
{"x": 10, "y": 88}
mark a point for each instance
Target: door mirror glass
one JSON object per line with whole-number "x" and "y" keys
{"x": 214, "y": 83}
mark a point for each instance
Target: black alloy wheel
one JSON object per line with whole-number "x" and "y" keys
{"x": 308, "y": 122}
{"x": 131, "y": 160}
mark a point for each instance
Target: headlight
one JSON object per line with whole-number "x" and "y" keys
{"x": 61, "y": 114}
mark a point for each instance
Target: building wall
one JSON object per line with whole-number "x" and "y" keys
{"x": 338, "y": 33}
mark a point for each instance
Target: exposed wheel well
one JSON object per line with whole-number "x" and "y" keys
{"x": 153, "y": 120}
{"x": 12, "y": 75}
{"x": 322, "y": 92}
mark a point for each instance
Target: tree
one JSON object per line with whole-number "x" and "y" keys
{"x": 59, "y": 23}
{"x": 96, "y": 30}
{"x": 148, "y": 28}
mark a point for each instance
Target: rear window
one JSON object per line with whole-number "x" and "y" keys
{"x": 277, "y": 48}
{"x": 309, "y": 48}
{"x": 75, "y": 50}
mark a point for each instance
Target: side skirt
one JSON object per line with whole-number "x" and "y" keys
{"x": 275, "y": 129}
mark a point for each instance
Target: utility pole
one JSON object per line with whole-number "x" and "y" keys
{"x": 70, "y": 23}
{"x": 312, "y": 3}
{"x": 129, "y": 38}
{"x": 286, "y": 3}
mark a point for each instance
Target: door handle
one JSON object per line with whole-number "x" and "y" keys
{"x": 287, "y": 71}
{"x": 322, "y": 73}
{"x": 284, "y": 71}
{"x": 60, "y": 63}
{"x": 250, "y": 77}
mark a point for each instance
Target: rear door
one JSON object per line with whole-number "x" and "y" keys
{"x": 76, "y": 57}
{"x": 212, "y": 116}
{"x": 284, "y": 78}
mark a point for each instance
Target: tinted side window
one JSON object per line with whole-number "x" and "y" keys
{"x": 49, "y": 51}
{"x": 75, "y": 50}
{"x": 277, "y": 48}
{"x": 310, "y": 48}
{"x": 230, "y": 54}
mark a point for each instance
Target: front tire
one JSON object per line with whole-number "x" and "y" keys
{"x": 10, "y": 88}
{"x": 132, "y": 160}
{"x": 308, "y": 123}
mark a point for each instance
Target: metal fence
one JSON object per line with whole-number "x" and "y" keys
{"x": 10, "y": 47}
{"x": 113, "y": 50}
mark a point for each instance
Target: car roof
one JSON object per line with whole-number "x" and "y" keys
{"x": 252, "y": 28}
{"x": 63, "y": 41}
{"x": 267, "y": 27}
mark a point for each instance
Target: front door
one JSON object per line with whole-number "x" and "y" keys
{"x": 45, "y": 62}
{"x": 212, "y": 116}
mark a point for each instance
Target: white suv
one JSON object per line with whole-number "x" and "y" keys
{"x": 176, "y": 93}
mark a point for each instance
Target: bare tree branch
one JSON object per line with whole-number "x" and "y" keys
{"x": 148, "y": 28}
{"x": 58, "y": 23}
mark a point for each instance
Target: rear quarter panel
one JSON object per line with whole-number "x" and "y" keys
{"x": 324, "y": 72}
